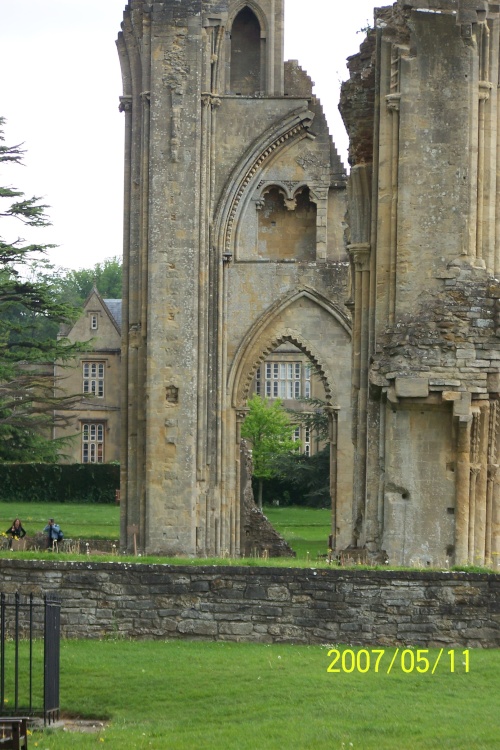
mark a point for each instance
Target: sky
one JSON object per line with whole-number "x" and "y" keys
{"x": 60, "y": 84}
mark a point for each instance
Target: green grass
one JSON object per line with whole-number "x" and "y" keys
{"x": 205, "y": 696}
{"x": 305, "y": 529}
{"x": 77, "y": 520}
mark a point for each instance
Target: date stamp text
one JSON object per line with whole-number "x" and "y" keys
{"x": 406, "y": 660}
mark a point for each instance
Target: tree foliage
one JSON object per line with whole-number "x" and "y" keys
{"x": 313, "y": 418}
{"x": 302, "y": 479}
{"x": 31, "y": 308}
{"x": 268, "y": 427}
{"x": 76, "y": 285}
{"x": 305, "y": 479}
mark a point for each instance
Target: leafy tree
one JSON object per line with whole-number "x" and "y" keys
{"x": 304, "y": 478}
{"x": 268, "y": 427}
{"x": 107, "y": 277}
{"x": 28, "y": 395}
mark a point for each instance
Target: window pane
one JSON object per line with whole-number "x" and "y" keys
{"x": 93, "y": 442}
{"x": 101, "y": 370}
{"x": 307, "y": 390}
{"x": 276, "y": 371}
{"x": 268, "y": 388}
{"x": 268, "y": 371}
{"x": 297, "y": 371}
{"x": 297, "y": 389}
{"x": 275, "y": 389}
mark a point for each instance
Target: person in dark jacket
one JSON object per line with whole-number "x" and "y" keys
{"x": 16, "y": 531}
{"x": 54, "y": 533}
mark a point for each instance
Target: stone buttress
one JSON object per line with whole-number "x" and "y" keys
{"x": 421, "y": 108}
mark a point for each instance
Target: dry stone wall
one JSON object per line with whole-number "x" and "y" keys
{"x": 266, "y": 604}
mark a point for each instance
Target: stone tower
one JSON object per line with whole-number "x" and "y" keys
{"x": 234, "y": 208}
{"x": 422, "y": 112}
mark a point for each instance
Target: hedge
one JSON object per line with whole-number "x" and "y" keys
{"x": 62, "y": 483}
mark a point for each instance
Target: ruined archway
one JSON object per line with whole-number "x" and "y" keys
{"x": 298, "y": 319}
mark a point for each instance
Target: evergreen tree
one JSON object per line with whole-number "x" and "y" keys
{"x": 30, "y": 309}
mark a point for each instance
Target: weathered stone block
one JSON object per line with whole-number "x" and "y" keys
{"x": 412, "y": 387}
{"x": 197, "y": 627}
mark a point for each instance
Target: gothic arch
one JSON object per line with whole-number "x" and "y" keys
{"x": 247, "y": 70}
{"x": 263, "y": 338}
{"x": 257, "y": 10}
{"x": 242, "y": 179}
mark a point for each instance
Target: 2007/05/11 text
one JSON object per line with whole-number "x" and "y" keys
{"x": 408, "y": 660}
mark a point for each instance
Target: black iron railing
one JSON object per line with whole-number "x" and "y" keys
{"x": 24, "y": 688}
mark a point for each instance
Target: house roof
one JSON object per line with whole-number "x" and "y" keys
{"x": 115, "y": 308}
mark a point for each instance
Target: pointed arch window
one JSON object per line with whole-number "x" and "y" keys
{"x": 246, "y": 67}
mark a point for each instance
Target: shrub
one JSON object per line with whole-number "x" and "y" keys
{"x": 63, "y": 483}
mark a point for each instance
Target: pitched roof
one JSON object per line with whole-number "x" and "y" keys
{"x": 115, "y": 308}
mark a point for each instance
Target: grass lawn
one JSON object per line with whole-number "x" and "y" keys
{"x": 206, "y": 696}
{"x": 305, "y": 529}
{"x": 77, "y": 520}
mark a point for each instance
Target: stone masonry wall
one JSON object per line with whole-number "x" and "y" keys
{"x": 265, "y": 604}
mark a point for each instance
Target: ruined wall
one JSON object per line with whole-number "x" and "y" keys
{"x": 213, "y": 128}
{"x": 258, "y": 537}
{"x": 266, "y": 605}
{"x": 421, "y": 111}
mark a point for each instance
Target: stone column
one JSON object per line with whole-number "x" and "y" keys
{"x": 320, "y": 197}
{"x": 360, "y": 255}
{"x": 474, "y": 473}
{"x": 481, "y": 486}
{"x": 462, "y": 491}
{"x": 393, "y": 104}
{"x": 238, "y": 542}
{"x": 495, "y": 523}
{"x": 333, "y": 421}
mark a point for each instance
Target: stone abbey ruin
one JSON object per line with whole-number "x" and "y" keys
{"x": 243, "y": 232}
